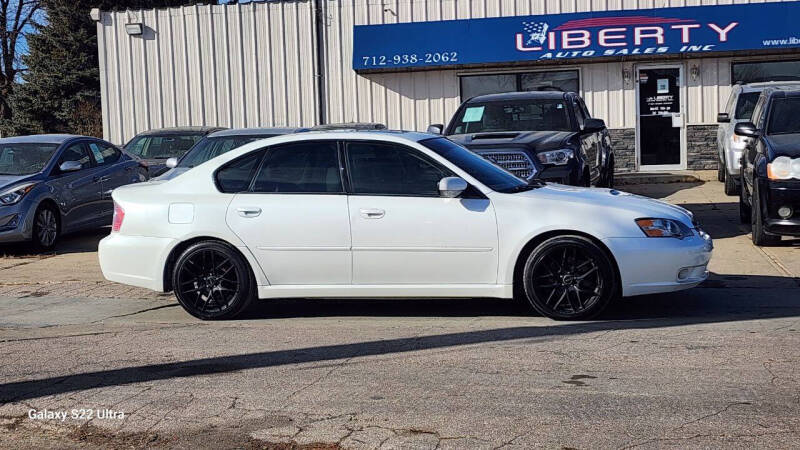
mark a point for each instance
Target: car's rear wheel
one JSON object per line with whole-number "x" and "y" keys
{"x": 759, "y": 234}
{"x": 212, "y": 281}
{"x": 569, "y": 278}
{"x": 45, "y": 228}
{"x": 731, "y": 188}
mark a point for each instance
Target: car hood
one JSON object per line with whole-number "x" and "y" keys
{"x": 536, "y": 140}
{"x": 10, "y": 180}
{"x": 631, "y": 205}
{"x": 785, "y": 144}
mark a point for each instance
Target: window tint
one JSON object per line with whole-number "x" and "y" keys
{"x": 237, "y": 174}
{"x": 579, "y": 115}
{"x": 565, "y": 80}
{"x": 104, "y": 154}
{"x": 745, "y": 105}
{"x": 211, "y": 147}
{"x": 785, "y": 116}
{"x": 389, "y": 169}
{"x": 162, "y": 147}
{"x": 76, "y": 152}
{"x": 512, "y": 115}
{"x": 302, "y": 167}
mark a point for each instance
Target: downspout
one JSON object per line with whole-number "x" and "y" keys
{"x": 320, "y": 14}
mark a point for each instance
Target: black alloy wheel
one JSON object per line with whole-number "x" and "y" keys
{"x": 212, "y": 281}
{"x": 45, "y": 228}
{"x": 569, "y": 278}
{"x": 759, "y": 234}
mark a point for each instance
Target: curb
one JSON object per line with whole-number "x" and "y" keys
{"x": 693, "y": 176}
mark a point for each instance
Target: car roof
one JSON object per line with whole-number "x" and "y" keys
{"x": 783, "y": 91}
{"x": 256, "y": 131}
{"x": 180, "y": 130}
{"x": 525, "y": 95}
{"x": 40, "y": 139}
{"x": 760, "y": 86}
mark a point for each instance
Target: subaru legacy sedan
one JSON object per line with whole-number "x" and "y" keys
{"x": 56, "y": 184}
{"x": 392, "y": 214}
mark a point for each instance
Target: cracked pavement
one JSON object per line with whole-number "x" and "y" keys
{"x": 716, "y": 366}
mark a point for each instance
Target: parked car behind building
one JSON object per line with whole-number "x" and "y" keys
{"x": 155, "y": 147}
{"x": 219, "y": 143}
{"x": 770, "y": 173}
{"x": 56, "y": 184}
{"x": 543, "y": 135}
{"x": 730, "y": 145}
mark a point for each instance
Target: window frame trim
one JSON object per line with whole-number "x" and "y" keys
{"x": 265, "y": 157}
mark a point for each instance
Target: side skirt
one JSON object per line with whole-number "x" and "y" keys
{"x": 390, "y": 291}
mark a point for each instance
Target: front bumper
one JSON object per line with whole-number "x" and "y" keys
{"x": 654, "y": 265}
{"x": 566, "y": 174}
{"x": 135, "y": 260}
{"x": 16, "y": 225}
{"x": 778, "y": 194}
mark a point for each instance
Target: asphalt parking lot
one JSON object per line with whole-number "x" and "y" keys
{"x": 716, "y": 366}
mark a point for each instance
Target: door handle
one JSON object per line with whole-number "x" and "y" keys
{"x": 249, "y": 212}
{"x": 372, "y": 213}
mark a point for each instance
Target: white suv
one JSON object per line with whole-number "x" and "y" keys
{"x": 729, "y": 145}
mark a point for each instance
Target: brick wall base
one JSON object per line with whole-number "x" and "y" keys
{"x": 701, "y": 148}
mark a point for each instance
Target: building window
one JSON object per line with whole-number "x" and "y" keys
{"x": 759, "y": 71}
{"x": 565, "y": 80}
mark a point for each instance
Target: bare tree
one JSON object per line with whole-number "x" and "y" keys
{"x": 16, "y": 18}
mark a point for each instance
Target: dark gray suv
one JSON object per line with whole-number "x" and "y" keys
{"x": 56, "y": 184}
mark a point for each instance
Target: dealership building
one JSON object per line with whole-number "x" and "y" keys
{"x": 657, "y": 71}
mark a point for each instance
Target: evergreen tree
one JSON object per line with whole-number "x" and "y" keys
{"x": 61, "y": 88}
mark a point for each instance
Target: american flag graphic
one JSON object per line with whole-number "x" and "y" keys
{"x": 537, "y": 31}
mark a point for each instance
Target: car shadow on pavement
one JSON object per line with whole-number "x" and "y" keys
{"x": 85, "y": 241}
{"x": 723, "y": 299}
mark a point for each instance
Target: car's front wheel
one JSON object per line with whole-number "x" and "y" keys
{"x": 731, "y": 188}
{"x": 569, "y": 278}
{"x": 213, "y": 281}
{"x": 45, "y": 228}
{"x": 759, "y": 234}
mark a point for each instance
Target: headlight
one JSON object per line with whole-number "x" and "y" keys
{"x": 663, "y": 228}
{"x": 556, "y": 157}
{"x": 783, "y": 168}
{"x": 15, "y": 194}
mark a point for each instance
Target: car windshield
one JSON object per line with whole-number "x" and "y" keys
{"x": 746, "y": 104}
{"x": 785, "y": 116}
{"x": 512, "y": 115}
{"x": 211, "y": 147}
{"x": 25, "y": 159}
{"x": 162, "y": 146}
{"x": 493, "y": 176}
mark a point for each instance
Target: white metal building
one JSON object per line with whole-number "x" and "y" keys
{"x": 290, "y": 63}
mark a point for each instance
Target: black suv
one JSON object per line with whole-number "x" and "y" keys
{"x": 770, "y": 194}
{"x": 544, "y": 135}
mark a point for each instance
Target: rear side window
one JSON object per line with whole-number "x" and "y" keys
{"x": 302, "y": 167}
{"x": 104, "y": 154}
{"x": 237, "y": 174}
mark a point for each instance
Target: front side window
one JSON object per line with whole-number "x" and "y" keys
{"x": 391, "y": 169}
{"x": 745, "y": 105}
{"x": 512, "y": 115}
{"x": 784, "y": 118}
{"x": 25, "y": 159}
{"x": 76, "y": 152}
{"x": 300, "y": 167}
{"x": 104, "y": 154}
{"x": 161, "y": 147}
{"x": 236, "y": 175}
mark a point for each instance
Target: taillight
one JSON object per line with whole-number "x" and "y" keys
{"x": 119, "y": 215}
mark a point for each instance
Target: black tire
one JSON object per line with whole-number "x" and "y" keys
{"x": 731, "y": 188}
{"x": 744, "y": 209}
{"x": 569, "y": 278}
{"x": 46, "y": 228}
{"x": 610, "y": 174}
{"x": 721, "y": 171}
{"x": 759, "y": 235}
{"x": 212, "y": 281}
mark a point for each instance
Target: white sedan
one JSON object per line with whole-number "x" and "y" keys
{"x": 391, "y": 214}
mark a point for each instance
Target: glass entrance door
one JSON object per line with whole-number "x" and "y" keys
{"x": 660, "y": 119}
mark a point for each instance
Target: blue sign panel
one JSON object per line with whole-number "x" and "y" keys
{"x": 697, "y": 29}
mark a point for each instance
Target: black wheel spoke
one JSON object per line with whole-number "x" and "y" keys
{"x": 208, "y": 281}
{"x": 567, "y": 279}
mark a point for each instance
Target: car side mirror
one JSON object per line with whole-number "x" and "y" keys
{"x": 436, "y": 128}
{"x": 723, "y": 118}
{"x": 593, "y": 125}
{"x": 747, "y": 129}
{"x": 451, "y": 187}
{"x": 172, "y": 162}
{"x": 70, "y": 166}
